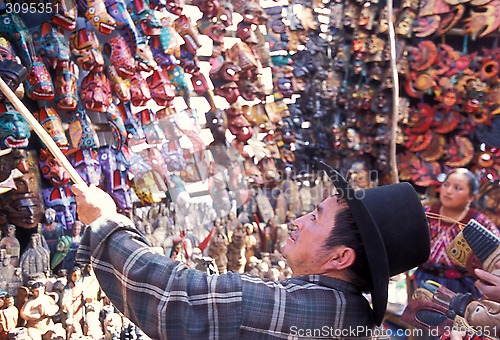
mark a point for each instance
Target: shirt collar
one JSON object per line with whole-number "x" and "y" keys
{"x": 330, "y": 282}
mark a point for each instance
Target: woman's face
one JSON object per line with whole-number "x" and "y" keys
{"x": 455, "y": 192}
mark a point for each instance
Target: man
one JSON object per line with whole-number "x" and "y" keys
{"x": 489, "y": 283}
{"x": 353, "y": 241}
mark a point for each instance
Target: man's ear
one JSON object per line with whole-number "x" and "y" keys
{"x": 341, "y": 258}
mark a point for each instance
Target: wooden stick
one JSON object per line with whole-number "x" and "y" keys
{"x": 40, "y": 131}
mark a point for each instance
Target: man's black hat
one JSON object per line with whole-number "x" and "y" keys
{"x": 393, "y": 228}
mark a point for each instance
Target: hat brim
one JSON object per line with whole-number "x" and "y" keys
{"x": 373, "y": 243}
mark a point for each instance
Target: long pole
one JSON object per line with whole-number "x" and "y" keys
{"x": 40, "y": 131}
{"x": 395, "y": 93}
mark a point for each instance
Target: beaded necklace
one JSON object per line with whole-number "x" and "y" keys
{"x": 460, "y": 218}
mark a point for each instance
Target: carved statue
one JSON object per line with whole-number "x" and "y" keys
{"x": 37, "y": 312}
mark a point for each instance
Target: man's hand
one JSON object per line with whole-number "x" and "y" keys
{"x": 489, "y": 283}
{"x": 92, "y": 203}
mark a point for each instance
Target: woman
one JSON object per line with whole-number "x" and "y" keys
{"x": 445, "y": 222}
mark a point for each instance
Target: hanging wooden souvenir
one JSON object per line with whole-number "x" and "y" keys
{"x": 62, "y": 200}
{"x": 39, "y": 82}
{"x": 14, "y": 130}
{"x": 51, "y": 169}
{"x": 446, "y": 122}
{"x": 95, "y": 92}
{"x": 483, "y": 20}
{"x": 65, "y": 83}
{"x": 114, "y": 179}
{"x": 86, "y": 50}
{"x": 13, "y": 28}
{"x": 80, "y": 131}
{"x": 140, "y": 93}
{"x": 145, "y": 17}
{"x": 118, "y": 53}
{"x": 13, "y": 75}
{"x": 435, "y": 150}
{"x": 132, "y": 123}
{"x": 424, "y": 56}
{"x": 424, "y": 173}
{"x": 99, "y": 17}
{"x": 186, "y": 30}
{"x": 148, "y": 186}
{"x": 162, "y": 91}
{"x": 417, "y": 142}
{"x": 125, "y": 26}
{"x": 421, "y": 118}
{"x": 65, "y": 14}
{"x": 167, "y": 61}
{"x": 150, "y": 126}
{"x": 22, "y": 167}
{"x": 52, "y": 123}
{"x": 460, "y": 152}
{"x": 51, "y": 45}
{"x": 119, "y": 86}
{"x": 238, "y": 125}
{"x": 86, "y": 163}
{"x": 450, "y": 19}
{"x": 118, "y": 129}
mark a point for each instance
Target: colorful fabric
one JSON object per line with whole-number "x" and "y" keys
{"x": 166, "y": 299}
{"x": 442, "y": 233}
{"x": 440, "y": 267}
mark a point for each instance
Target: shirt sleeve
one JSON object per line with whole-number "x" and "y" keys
{"x": 163, "y": 297}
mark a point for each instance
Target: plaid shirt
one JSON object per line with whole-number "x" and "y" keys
{"x": 166, "y": 299}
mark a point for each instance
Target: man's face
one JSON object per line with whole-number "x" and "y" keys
{"x": 304, "y": 249}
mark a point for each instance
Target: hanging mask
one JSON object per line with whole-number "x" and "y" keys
{"x": 51, "y": 45}
{"x": 175, "y": 6}
{"x": 95, "y": 92}
{"x": 228, "y": 91}
{"x": 167, "y": 61}
{"x": 6, "y": 50}
{"x": 24, "y": 210}
{"x": 86, "y": 163}
{"x": 132, "y": 123}
{"x": 217, "y": 123}
{"x": 147, "y": 19}
{"x": 51, "y": 122}
{"x": 85, "y": 47}
{"x": 98, "y": 16}
{"x": 162, "y": 91}
{"x": 118, "y": 129}
{"x": 51, "y": 169}
{"x": 147, "y": 184}
{"x": 214, "y": 30}
{"x": 62, "y": 200}
{"x": 115, "y": 178}
{"x": 12, "y": 74}
{"x": 65, "y": 82}
{"x": 80, "y": 131}
{"x": 118, "y": 54}
{"x": 139, "y": 90}
{"x": 238, "y": 124}
{"x": 38, "y": 82}
{"x": 186, "y": 30}
{"x": 209, "y": 8}
{"x": 66, "y": 14}
{"x": 14, "y": 130}
{"x": 119, "y": 86}
{"x": 25, "y": 163}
